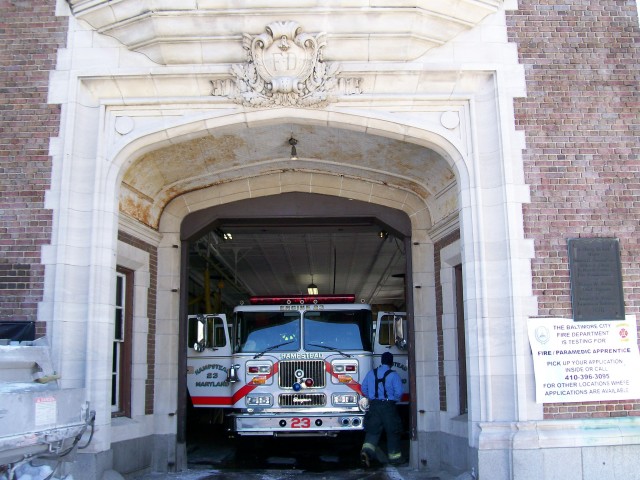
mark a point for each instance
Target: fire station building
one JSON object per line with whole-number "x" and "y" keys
{"x": 499, "y": 131}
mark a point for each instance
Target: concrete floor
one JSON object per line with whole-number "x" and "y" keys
{"x": 212, "y": 454}
{"x": 270, "y": 459}
{"x": 383, "y": 473}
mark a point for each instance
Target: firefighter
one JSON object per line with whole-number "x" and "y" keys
{"x": 382, "y": 386}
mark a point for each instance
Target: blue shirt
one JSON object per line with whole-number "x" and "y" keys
{"x": 392, "y": 382}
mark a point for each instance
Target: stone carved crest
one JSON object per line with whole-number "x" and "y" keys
{"x": 284, "y": 68}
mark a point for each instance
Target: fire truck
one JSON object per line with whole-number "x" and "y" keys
{"x": 291, "y": 365}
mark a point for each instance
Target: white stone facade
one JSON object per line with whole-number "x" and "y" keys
{"x": 127, "y": 101}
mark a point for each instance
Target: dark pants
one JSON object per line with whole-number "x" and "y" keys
{"x": 383, "y": 416}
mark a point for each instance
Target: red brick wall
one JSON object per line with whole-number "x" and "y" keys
{"x": 30, "y": 36}
{"x": 582, "y": 125}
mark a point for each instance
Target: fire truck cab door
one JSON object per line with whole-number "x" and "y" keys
{"x": 391, "y": 336}
{"x": 209, "y": 360}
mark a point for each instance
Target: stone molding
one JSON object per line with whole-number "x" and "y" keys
{"x": 209, "y": 32}
{"x": 571, "y": 433}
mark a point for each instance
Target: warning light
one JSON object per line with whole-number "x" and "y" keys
{"x": 260, "y": 368}
{"x": 302, "y": 299}
{"x": 309, "y": 382}
{"x": 297, "y": 387}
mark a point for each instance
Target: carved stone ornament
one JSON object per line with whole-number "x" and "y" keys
{"x": 284, "y": 68}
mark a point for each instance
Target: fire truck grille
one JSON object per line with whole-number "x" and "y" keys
{"x": 302, "y": 400}
{"x": 313, "y": 369}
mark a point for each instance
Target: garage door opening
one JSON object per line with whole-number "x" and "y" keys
{"x": 287, "y": 246}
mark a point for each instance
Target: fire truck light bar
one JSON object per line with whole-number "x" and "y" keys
{"x": 301, "y": 299}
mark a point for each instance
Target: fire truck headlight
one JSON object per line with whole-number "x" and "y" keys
{"x": 255, "y": 368}
{"x": 259, "y": 400}
{"x": 345, "y": 399}
{"x": 345, "y": 366}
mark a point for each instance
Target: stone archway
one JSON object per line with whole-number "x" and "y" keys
{"x": 429, "y": 191}
{"x": 378, "y": 196}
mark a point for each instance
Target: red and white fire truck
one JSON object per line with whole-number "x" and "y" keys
{"x": 291, "y": 365}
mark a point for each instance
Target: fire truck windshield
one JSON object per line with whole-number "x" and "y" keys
{"x": 266, "y": 331}
{"x": 337, "y": 330}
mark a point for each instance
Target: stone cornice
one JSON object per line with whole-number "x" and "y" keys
{"x": 208, "y": 32}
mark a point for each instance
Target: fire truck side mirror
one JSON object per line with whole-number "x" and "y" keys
{"x": 198, "y": 332}
{"x": 233, "y": 374}
{"x": 399, "y": 332}
{"x": 206, "y": 332}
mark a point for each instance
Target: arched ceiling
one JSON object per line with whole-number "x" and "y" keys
{"x": 235, "y": 152}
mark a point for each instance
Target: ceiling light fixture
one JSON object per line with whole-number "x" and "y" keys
{"x": 312, "y": 288}
{"x": 293, "y": 142}
{"x": 225, "y": 236}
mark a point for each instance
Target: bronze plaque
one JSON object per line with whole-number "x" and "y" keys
{"x": 596, "y": 279}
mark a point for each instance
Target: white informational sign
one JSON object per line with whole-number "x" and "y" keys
{"x": 46, "y": 411}
{"x": 584, "y": 361}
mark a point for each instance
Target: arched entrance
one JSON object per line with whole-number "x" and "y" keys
{"x": 275, "y": 245}
{"x": 196, "y": 172}
{"x": 347, "y": 207}
{"x": 268, "y": 246}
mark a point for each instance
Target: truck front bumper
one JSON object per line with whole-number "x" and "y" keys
{"x": 297, "y": 423}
